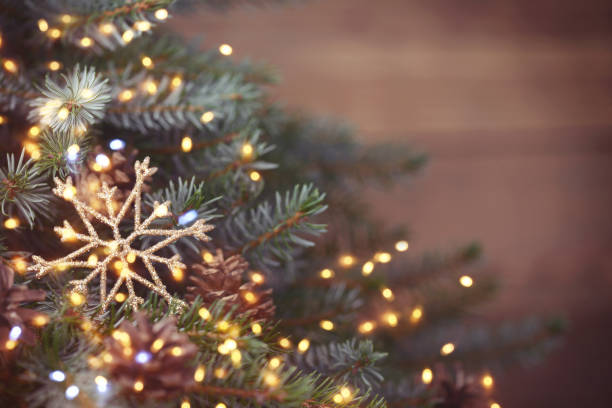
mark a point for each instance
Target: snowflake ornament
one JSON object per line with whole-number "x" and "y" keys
{"x": 118, "y": 250}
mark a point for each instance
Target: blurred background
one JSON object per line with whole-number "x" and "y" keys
{"x": 513, "y": 102}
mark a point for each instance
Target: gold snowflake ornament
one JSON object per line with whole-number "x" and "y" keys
{"x": 118, "y": 250}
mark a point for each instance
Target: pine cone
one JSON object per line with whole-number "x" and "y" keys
{"x": 152, "y": 360}
{"x": 120, "y": 174}
{"x": 11, "y": 314}
{"x": 222, "y": 279}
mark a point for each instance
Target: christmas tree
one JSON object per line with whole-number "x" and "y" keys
{"x": 173, "y": 238}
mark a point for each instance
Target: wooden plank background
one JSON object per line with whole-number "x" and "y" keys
{"x": 513, "y": 101}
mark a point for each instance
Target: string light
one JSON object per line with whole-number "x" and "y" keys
{"x": 326, "y": 273}
{"x": 303, "y": 345}
{"x": 142, "y": 25}
{"x": 466, "y": 281}
{"x": 387, "y": 294}
{"x": 274, "y": 362}
{"x": 10, "y": 344}
{"x": 147, "y": 62}
{"x": 187, "y": 217}
{"x": 247, "y": 151}
{"x": 63, "y": 113}
{"x": 19, "y": 264}
{"x": 76, "y": 298}
{"x": 86, "y": 42}
{"x": 43, "y": 25}
{"x": 220, "y": 405}
{"x": 220, "y": 373}
{"x": 255, "y": 176}
{"x": 326, "y": 325}
{"x": 256, "y": 329}
{"x": 138, "y": 386}
{"x": 401, "y": 246}
{"x": 15, "y": 333}
{"x": 11, "y": 223}
{"x": 257, "y": 278}
{"x": 57, "y": 376}
{"x": 176, "y": 81}
{"x": 185, "y": 404}
{"x": 54, "y": 33}
{"x": 72, "y": 153}
{"x": 207, "y": 117}
{"x": 338, "y": 399}
{"x": 236, "y": 357}
{"x": 66, "y": 18}
{"x": 366, "y": 327}
{"x": 487, "y": 381}
{"x": 199, "y": 374}
{"x": 207, "y": 256}
{"x": 157, "y": 345}
{"x": 69, "y": 193}
{"x": 346, "y": 393}
{"x": 186, "y": 144}
{"x": 106, "y": 28}
{"x": 427, "y": 376}
{"x": 103, "y": 161}
{"x": 32, "y": 149}
{"x": 226, "y": 49}
{"x": 416, "y": 314}
{"x": 447, "y": 349}
{"x": 127, "y": 36}
{"x": 54, "y": 65}
{"x": 120, "y": 297}
{"x": 346, "y": 261}
{"x": 101, "y": 383}
{"x": 143, "y": 357}
{"x": 34, "y": 131}
{"x": 382, "y": 257}
{"x": 367, "y": 268}
{"x": 117, "y": 144}
{"x": 161, "y": 14}
{"x": 284, "y": 343}
{"x": 495, "y": 405}
{"x": 204, "y": 313}
{"x": 250, "y": 297}
{"x": 126, "y": 95}
{"x": 391, "y": 319}
{"x": 10, "y": 65}
{"x": 2, "y": 119}
{"x": 271, "y": 379}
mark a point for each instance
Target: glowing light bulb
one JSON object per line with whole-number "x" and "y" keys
{"x": 10, "y": 344}
{"x": 401, "y": 246}
{"x": 199, "y": 374}
{"x": 2, "y": 119}
{"x": 391, "y": 319}
{"x": 387, "y": 293}
{"x": 487, "y": 381}
{"x": 447, "y": 349}
{"x": 250, "y": 297}
{"x": 57, "y": 376}
{"x": 69, "y": 193}
{"x": 178, "y": 274}
{"x": 257, "y": 278}
{"x": 142, "y": 357}
{"x": 15, "y": 333}
{"x": 220, "y": 405}
{"x": 207, "y": 256}
{"x": 226, "y": 49}
{"x": 186, "y": 144}
{"x": 127, "y": 36}
{"x": 346, "y": 261}
{"x": 247, "y": 151}
{"x": 19, "y": 264}
{"x": 382, "y": 257}
{"x": 367, "y": 268}
{"x": 256, "y": 329}
{"x": 76, "y": 298}
{"x": 103, "y": 160}
{"x": 416, "y": 314}
{"x": 40, "y": 320}
{"x": 66, "y": 18}
{"x": 176, "y": 81}
{"x": 138, "y": 386}
{"x": 54, "y": 65}
{"x": 185, "y": 404}
{"x": 427, "y": 376}
{"x": 43, "y": 25}
{"x": 204, "y": 313}
{"x": 54, "y": 33}
{"x": 131, "y": 257}
{"x": 72, "y": 153}
{"x": 126, "y": 95}
{"x": 161, "y": 14}
{"x": 326, "y": 325}
{"x": 116, "y": 144}
{"x": 466, "y": 281}
{"x": 236, "y": 357}
{"x": 495, "y": 405}
{"x": 303, "y": 345}
{"x": 101, "y": 384}
{"x": 255, "y": 176}
{"x": 271, "y": 379}
{"x": 10, "y": 65}
{"x": 86, "y": 42}
{"x": 157, "y": 345}
{"x": 366, "y": 327}
{"x": 87, "y": 93}
{"x": 207, "y": 117}
{"x": 142, "y": 25}
{"x": 11, "y": 223}
{"x": 326, "y": 273}
{"x": 106, "y": 28}
{"x": 284, "y": 343}
{"x": 161, "y": 211}
{"x": 274, "y": 362}
{"x": 147, "y": 62}
{"x": 120, "y": 297}
{"x": 34, "y": 131}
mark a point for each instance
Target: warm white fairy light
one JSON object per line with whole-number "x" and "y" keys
{"x": 226, "y": 49}
{"x": 466, "y": 281}
{"x": 487, "y": 381}
{"x": 401, "y": 246}
{"x": 34, "y": 131}
{"x": 387, "y": 293}
{"x": 106, "y": 28}
{"x": 127, "y": 36}
{"x": 119, "y": 247}
{"x": 186, "y": 144}
{"x": 101, "y": 383}
{"x": 346, "y": 261}
{"x": 391, "y": 319}
{"x": 43, "y": 25}
{"x": 416, "y": 314}
{"x": 326, "y": 325}
{"x": 147, "y": 62}
{"x": 367, "y": 268}
{"x": 303, "y": 345}
{"x": 382, "y": 257}
{"x": 126, "y": 95}
{"x": 427, "y": 376}
{"x": 10, "y": 66}
{"x": 54, "y": 33}
{"x": 11, "y": 223}
{"x": 255, "y": 175}
{"x": 161, "y": 14}
{"x": 142, "y": 25}
{"x": 284, "y": 343}
{"x": 54, "y": 65}
{"x": 86, "y": 42}
{"x": 207, "y": 117}
{"x": 326, "y": 273}
{"x": 247, "y": 151}
{"x": 176, "y": 81}
{"x": 366, "y": 327}
{"x": 66, "y": 18}
{"x": 199, "y": 374}
{"x": 447, "y": 349}
{"x": 72, "y": 153}
{"x": 256, "y": 329}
